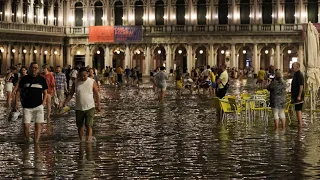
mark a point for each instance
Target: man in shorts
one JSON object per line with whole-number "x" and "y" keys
{"x": 87, "y": 94}
{"x": 61, "y": 84}
{"x": 160, "y": 80}
{"x": 297, "y": 91}
{"x": 33, "y": 93}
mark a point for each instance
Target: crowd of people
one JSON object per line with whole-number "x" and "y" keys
{"x": 34, "y": 88}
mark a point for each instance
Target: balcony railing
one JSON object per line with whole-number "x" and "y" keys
{"x": 32, "y": 27}
{"x": 161, "y": 29}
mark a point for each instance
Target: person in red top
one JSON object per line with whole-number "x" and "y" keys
{"x": 51, "y": 88}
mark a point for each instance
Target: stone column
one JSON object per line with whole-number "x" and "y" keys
{"x": 88, "y": 56}
{"x": 300, "y": 58}
{"x": 127, "y": 57}
{"x": 107, "y": 56}
{"x": 8, "y": 11}
{"x": 168, "y": 58}
{"x": 281, "y": 62}
{"x": 148, "y": 60}
{"x": 278, "y": 52}
{"x": 20, "y": 54}
{"x": 30, "y": 14}
{"x": 211, "y": 55}
{"x": 278, "y": 13}
{"x": 255, "y": 57}
{"x": 60, "y": 20}
{"x": 272, "y": 57}
{"x": 189, "y": 57}
{"x": 50, "y": 17}
{"x": 20, "y": 12}
{"x": 41, "y": 13}
{"x": 233, "y": 56}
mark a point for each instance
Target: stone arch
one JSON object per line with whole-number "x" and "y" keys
{"x": 114, "y": 1}
{"x": 92, "y": 3}
{"x": 76, "y": 48}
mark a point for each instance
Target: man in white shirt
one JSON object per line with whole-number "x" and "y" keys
{"x": 222, "y": 82}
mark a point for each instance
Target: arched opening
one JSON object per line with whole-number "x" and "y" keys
{"x": 25, "y": 8}
{"x": 56, "y": 14}
{"x": 201, "y": 56}
{"x": 98, "y": 59}
{"x": 289, "y": 12}
{"x": 265, "y": 57}
{"x": 290, "y": 55}
{"x": 118, "y": 13}
{"x": 23, "y": 56}
{"x": 245, "y": 12}
{"x": 79, "y": 57}
{"x": 313, "y": 11}
{"x": 79, "y": 14}
{"x": 1, "y": 10}
{"x": 14, "y": 10}
{"x": 138, "y": 60}
{"x": 180, "y": 12}
{"x": 44, "y": 54}
{"x": 202, "y": 12}
{"x": 35, "y": 51}
{"x": 138, "y": 13}
{"x": 45, "y": 13}
{"x": 36, "y": 6}
{"x": 267, "y": 12}
{"x": 159, "y": 57}
{"x": 181, "y": 60}
{"x": 12, "y": 56}
{"x": 223, "y": 11}
{"x": 245, "y": 58}
{"x": 159, "y": 12}
{"x": 223, "y": 56}
{"x": 98, "y": 13}
{"x": 118, "y": 58}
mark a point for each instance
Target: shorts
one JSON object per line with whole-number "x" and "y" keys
{"x": 85, "y": 117}
{"x": 36, "y": 114}
{"x": 298, "y": 107}
{"x": 161, "y": 89}
{"x": 60, "y": 95}
{"x": 213, "y": 85}
{"x": 9, "y": 87}
{"x": 278, "y": 113}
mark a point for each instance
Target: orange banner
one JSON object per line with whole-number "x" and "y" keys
{"x": 101, "y": 34}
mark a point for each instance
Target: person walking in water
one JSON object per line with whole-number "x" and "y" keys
{"x": 297, "y": 91}
{"x": 51, "y": 92}
{"x": 87, "y": 94}
{"x": 33, "y": 93}
{"x": 278, "y": 93}
{"x": 160, "y": 80}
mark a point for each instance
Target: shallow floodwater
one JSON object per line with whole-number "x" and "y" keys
{"x": 137, "y": 138}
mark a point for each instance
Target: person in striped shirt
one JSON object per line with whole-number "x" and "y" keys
{"x": 61, "y": 84}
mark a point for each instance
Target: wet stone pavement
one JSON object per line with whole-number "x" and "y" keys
{"x": 137, "y": 138}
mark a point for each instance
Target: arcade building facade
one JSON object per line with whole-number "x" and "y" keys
{"x": 185, "y": 33}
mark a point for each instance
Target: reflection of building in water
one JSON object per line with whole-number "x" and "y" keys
{"x": 188, "y": 33}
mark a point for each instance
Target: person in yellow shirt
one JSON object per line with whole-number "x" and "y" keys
{"x": 213, "y": 82}
{"x": 119, "y": 72}
{"x": 261, "y": 76}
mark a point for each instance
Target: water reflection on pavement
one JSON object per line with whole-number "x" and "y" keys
{"x": 139, "y": 138}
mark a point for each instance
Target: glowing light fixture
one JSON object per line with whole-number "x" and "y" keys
{"x": 266, "y": 51}
{"x": 45, "y": 52}
{"x": 118, "y": 52}
{"x": 55, "y": 52}
{"x": 138, "y": 52}
{"x": 35, "y": 51}
{"x": 13, "y": 50}
{"x": 180, "y": 51}
{"x": 201, "y": 51}
{"x": 2, "y": 50}
{"x": 222, "y": 51}
{"x": 244, "y": 52}
{"x": 159, "y": 51}
{"x": 289, "y": 51}
{"x": 24, "y": 51}
{"x": 78, "y": 52}
{"x": 98, "y": 52}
